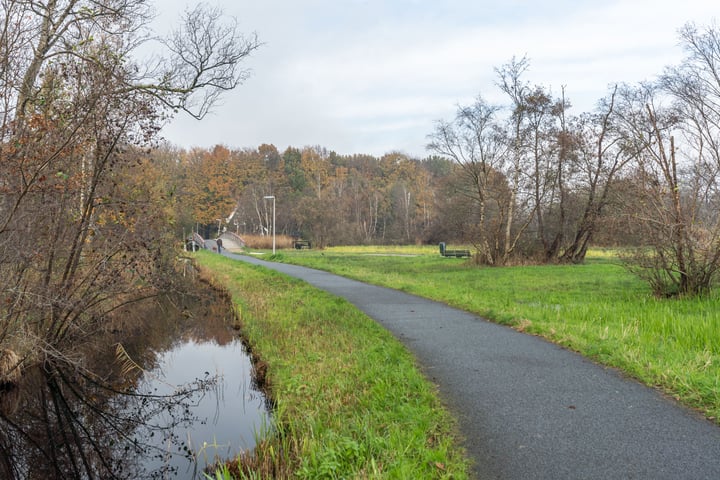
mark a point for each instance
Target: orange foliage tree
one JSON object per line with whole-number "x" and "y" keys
{"x": 83, "y": 213}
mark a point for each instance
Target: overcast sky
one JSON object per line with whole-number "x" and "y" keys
{"x": 373, "y": 76}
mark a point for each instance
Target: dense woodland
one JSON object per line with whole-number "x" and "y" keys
{"x": 91, "y": 205}
{"x": 328, "y": 198}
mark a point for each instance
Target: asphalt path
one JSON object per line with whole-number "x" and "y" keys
{"x": 528, "y": 409}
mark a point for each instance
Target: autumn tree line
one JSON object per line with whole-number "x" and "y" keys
{"x": 326, "y": 197}
{"x": 524, "y": 180}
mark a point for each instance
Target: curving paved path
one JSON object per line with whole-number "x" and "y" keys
{"x": 529, "y": 409}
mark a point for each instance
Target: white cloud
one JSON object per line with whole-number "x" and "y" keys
{"x": 372, "y": 76}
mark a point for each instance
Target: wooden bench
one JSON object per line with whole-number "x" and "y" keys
{"x": 300, "y": 244}
{"x": 453, "y": 253}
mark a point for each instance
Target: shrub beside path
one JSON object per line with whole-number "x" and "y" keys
{"x": 527, "y": 408}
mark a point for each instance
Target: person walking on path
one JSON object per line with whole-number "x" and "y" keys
{"x": 219, "y": 244}
{"x": 529, "y": 409}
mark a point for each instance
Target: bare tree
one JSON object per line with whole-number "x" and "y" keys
{"x": 512, "y": 166}
{"x": 695, "y": 88}
{"x": 475, "y": 142}
{"x": 80, "y": 232}
{"x": 548, "y": 153}
{"x": 598, "y": 158}
{"x": 512, "y": 84}
{"x": 205, "y": 58}
{"x": 671, "y": 125}
{"x": 540, "y": 179}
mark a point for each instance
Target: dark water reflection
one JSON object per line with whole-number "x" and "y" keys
{"x": 226, "y": 417}
{"x": 178, "y": 397}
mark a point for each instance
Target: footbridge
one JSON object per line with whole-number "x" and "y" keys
{"x": 230, "y": 241}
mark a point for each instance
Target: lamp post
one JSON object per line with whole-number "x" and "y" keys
{"x": 272, "y": 197}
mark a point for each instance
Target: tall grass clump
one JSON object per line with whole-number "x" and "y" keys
{"x": 349, "y": 399}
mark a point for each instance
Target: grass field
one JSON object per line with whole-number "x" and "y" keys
{"x": 349, "y": 400}
{"x": 597, "y": 309}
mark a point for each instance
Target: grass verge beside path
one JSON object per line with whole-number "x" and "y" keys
{"x": 597, "y": 309}
{"x": 350, "y": 402}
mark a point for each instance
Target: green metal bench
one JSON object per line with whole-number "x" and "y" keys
{"x": 453, "y": 253}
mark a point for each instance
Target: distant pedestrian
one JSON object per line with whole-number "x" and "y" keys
{"x": 219, "y": 244}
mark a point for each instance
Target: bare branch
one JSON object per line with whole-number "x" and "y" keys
{"x": 205, "y": 61}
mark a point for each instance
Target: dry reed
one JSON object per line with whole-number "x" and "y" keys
{"x": 265, "y": 242}
{"x": 9, "y": 367}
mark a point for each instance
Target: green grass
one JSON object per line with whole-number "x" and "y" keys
{"x": 597, "y": 309}
{"x": 350, "y": 401}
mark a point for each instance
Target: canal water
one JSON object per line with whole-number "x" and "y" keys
{"x": 225, "y": 418}
{"x": 165, "y": 392}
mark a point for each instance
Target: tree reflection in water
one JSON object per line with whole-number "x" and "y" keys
{"x": 69, "y": 422}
